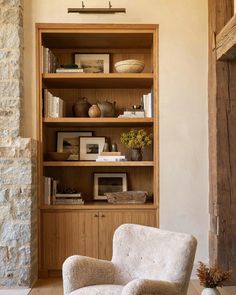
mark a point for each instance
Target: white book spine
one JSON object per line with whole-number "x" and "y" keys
{"x": 56, "y": 104}
{"x": 145, "y": 105}
{"x": 149, "y": 105}
{"x": 61, "y": 108}
{"x": 147, "y": 102}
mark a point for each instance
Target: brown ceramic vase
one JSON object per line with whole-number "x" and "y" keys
{"x": 94, "y": 111}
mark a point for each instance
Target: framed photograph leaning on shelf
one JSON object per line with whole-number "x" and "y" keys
{"x": 93, "y": 63}
{"x": 109, "y": 183}
{"x": 68, "y": 141}
{"x": 90, "y": 147}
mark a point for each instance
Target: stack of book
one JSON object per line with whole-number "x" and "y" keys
{"x": 53, "y": 105}
{"x": 147, "y": 102}
{"x": 110, "y": 157}
{"x": 51, "y": 195}
{"x": 67, "y": 69}
{"x": 50, "y": 61}
{"x": 50, "y": 189}
{"x": 133, "y": 114}
{"x": 68, "y": 199}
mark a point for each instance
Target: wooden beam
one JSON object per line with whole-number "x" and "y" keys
{"x": 226, "y": 41}
{"x": 222, "y": 144}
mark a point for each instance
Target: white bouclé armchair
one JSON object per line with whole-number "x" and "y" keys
{"x": 145, "y": 261}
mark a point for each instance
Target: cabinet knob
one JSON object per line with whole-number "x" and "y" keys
{"x": 103, "y": 215}
{"x": 95, "y": 215}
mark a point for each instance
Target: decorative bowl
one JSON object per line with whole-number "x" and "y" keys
{"x": 129, "y": 197}
{"x": 129, "y": 66}
{"x": 56, "y": 156}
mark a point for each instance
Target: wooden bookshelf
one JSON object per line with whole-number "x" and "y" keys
{"x": 88, "y": 229}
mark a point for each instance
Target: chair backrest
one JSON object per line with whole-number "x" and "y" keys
{"x": 141, "y": 252}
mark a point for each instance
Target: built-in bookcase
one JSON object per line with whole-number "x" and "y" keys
{"x": 58, "y": 221}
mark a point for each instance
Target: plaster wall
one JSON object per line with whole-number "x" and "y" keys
{"x": 183, "y": 98}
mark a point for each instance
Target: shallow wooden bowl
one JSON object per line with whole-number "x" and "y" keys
{"x": 56, "y": 156}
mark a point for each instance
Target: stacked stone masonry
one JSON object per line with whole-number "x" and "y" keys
{"x": 18, "y": 204}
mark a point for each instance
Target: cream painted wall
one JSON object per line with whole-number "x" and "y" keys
{"x": 183, "y": 98}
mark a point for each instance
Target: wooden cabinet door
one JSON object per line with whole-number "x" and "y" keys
{"x": 68, "y": 233}
{"x": 110, "y": 221}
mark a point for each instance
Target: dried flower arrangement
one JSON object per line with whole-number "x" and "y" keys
{"x": 136, "y": 139}
{"x": 212, "y": 277}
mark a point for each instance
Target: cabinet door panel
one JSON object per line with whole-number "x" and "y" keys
{"x": 109, "y": 221}
{"x": 68, "y": 233}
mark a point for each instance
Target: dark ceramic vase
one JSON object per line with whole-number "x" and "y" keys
{"x": 136, "y": 155}
{"x": 107, "y": 108}
{"x": 81, "y": 107}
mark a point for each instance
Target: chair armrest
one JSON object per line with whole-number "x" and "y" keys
{"x": 80, "y": 271}
{"x": 146, "y": 287}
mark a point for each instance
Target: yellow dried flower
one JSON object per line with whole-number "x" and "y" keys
{"x": 136, "y": 139}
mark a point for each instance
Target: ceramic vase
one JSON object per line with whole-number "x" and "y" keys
{"x": 107, "y": 108}
{"x": 94, "y": 111}
{"x": 210, "y": 291}
{"x": 81, "y": 107}
{"x": 136, "y": 155}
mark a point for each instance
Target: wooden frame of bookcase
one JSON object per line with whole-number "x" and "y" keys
{"x": 111, "y": 79}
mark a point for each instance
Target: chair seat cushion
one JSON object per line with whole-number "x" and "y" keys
{"x": 99, "y": 290}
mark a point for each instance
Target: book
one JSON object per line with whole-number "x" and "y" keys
{"x": 61, "y": 201}
{"x": 53, "y": 105}
{"x": 62, "y": 70}
{"x": 47, "y": 190}
{"x": 49, "y": 61}
{"x": 110, "y": 154}
{"x": 110, "y": 158}
{"x": 147, "y": 104}
{"x": 133, "y": 114}
{"x": 78, "y": 195}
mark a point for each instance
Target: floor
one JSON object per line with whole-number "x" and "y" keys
{"x": 54, "y": 287}
{"x": 14, "y": 291}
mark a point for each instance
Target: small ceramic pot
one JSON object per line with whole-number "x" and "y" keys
{"x": 210, "y": 291}
{"x": 107, "y": 108}
{"x": 106, "y": 147}
{"x": 136, "y": 155}
{"x": 94, "y": 111}
{"x": 81, "y": 107}
{"x": 114, "y": 147}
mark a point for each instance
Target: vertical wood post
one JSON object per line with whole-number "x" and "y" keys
{"x": 222, "y": 145}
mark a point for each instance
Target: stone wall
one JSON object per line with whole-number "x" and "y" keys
{"x": 18, "y": 206}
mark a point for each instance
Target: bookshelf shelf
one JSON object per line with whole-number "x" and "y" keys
{"x": 84, "y": 80}
{"x": 99, "y": 121}
{"x": 98, "y": 164}
{"x": 99, "y": 205}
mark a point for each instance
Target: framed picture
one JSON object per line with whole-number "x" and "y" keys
{"x": 109, "y": 183}
{"x": 91, "y": 147}
{"x": 93, "y": 63}
{"x": 68, "y": 141}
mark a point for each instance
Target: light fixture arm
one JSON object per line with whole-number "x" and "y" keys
{"x": 96, "y": 10}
